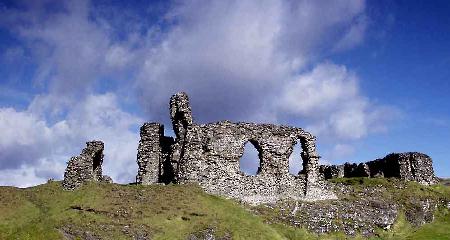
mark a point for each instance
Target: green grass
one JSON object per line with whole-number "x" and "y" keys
{"x": 111, "y": 211}
{"x": 402, "y": 192}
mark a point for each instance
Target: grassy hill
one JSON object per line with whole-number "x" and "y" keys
{"x": 111, "y": 211}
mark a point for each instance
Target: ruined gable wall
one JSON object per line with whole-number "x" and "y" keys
{"x": 209, "y": 154}
{"x": 85, "y": 167}
{"x": 213, "y": 151}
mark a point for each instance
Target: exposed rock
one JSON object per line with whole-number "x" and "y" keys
{"x": 207, "y": 234}
{"x": 85, "y": 167}
{"x": 360, "y": 209}
{"x": 423, "y": 211}
{"x": 107, "y": 179}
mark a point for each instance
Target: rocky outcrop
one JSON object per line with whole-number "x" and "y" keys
{"x": 85, "y": 167}
{"x": 363, "y": 207}
{"x": 409, "y": 166}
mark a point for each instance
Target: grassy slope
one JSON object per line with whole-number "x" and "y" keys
{"x": 110, "y": 211}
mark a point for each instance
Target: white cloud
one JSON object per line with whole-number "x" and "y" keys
{"x": 341, "y": 151}
{"x": 329, "y": 97}
{"x": 24, "y": 176}
{"x": 239, "y": 54}
{"x": 238, "y": 60}
{"x": 36, "y": 150}
{"x": 319, "y": 91}
{"x": 21, "y": 128}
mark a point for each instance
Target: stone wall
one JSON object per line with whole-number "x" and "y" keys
{"x": 153, "y": 156}
{"x": 85, "y": 167}
{"x": 209, "y": 154}
{"x": 409, "y": 166}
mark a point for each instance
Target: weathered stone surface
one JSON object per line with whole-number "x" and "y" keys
{"x": 409, "y": 166}
{"x": 332, "y": 171}
{"x": 359, "y": 209}
{"x": 153, "y": 155}
{"x": 209, "y": 154}
{"x": 85, "y": 167}
{"x": 180, "y": 114}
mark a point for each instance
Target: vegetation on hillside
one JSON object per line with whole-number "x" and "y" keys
{"x": 112, "y": 211}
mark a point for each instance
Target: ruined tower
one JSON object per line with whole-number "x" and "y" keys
{"x": 209, "y": 155}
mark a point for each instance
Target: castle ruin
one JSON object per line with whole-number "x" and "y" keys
{"x": 209, "y": 155}
{"x": 409, "y": 166}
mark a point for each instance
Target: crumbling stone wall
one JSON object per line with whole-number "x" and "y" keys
{"x": 209, "y": 154}
{"x": 153, "y": 155}
{"x": 85, "y": 167}
{"x": 408, "y": 166}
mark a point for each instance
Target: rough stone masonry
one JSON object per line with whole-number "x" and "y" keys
{"x": 409, "y": 166}
{"x": 209, "y": 154}
{"x": 85, "y": 167}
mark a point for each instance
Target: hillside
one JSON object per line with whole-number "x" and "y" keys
{"x": 112, "y": 211}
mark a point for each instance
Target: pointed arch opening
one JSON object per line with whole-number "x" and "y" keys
{"x": 250, "y": 161}
{"x": 295, "y": 160}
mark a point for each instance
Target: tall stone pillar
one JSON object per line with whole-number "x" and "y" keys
{"x": 310, "y": 162}
{"x": 149, "y": 156}
{"x": 182, "y": 121}
{"x": 180, "y": 114}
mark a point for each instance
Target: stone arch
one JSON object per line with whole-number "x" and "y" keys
{"x": 250, "y": 161}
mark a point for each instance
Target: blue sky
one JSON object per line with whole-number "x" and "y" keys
{"x": 366, "y": 77}
{"x": 406, "y": 65}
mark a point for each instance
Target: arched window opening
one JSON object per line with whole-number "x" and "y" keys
{"x": 250, "y": 161}
{"x": 295, "y": 160}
